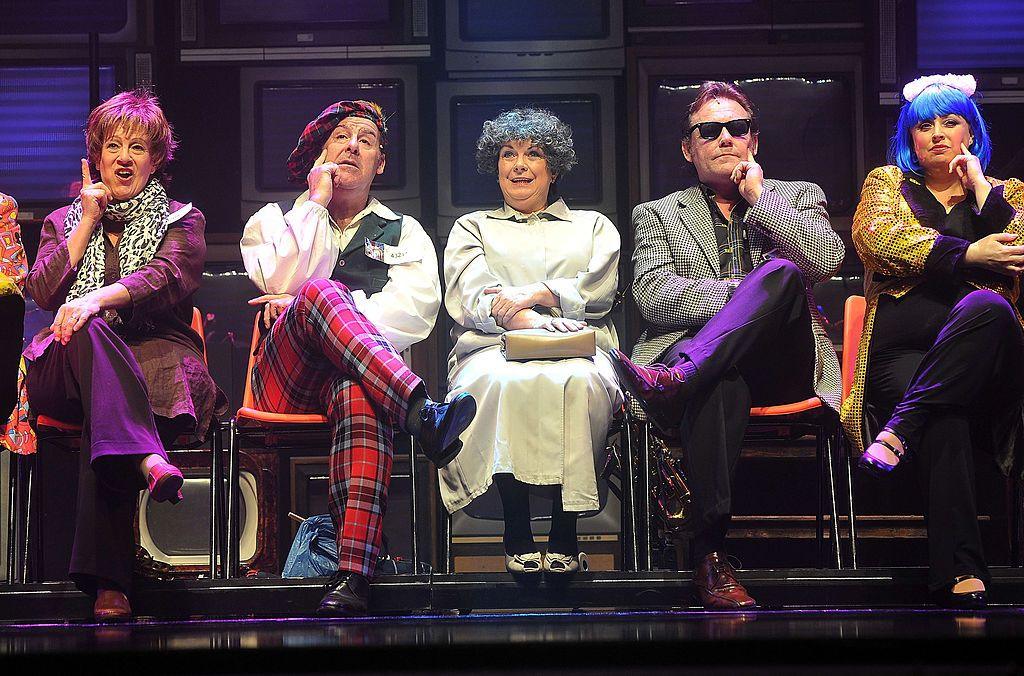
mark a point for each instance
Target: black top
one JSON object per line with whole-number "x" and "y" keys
{"x": 913, "y": 321}
{"x": 731, "y": 236}
{"x": 957, "y": 229}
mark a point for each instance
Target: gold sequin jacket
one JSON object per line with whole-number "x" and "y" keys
{"x": 894, "y": 246}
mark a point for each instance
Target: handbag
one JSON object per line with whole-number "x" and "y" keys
{"x": 527, "y": 344}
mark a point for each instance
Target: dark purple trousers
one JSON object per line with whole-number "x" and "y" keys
{"x": 757, "y": 351}
{"x": 947, "y": 363}
{"x": 95, "y": 380}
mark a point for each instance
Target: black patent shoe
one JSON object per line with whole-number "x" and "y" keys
{"x": 441, "y": 425}
{"x": 348, "y": 594}
{"x": 975, "y": 600}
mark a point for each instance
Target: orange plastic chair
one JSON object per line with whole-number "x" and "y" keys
{"x": 252, "y": 422}
{"x": 809, "y": 415}
{"x": 812, "y": 416}
{"x": 67, "y": 434}
{"x": 853, "y": 327}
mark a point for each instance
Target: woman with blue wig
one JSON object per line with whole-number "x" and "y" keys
{"x": 939, "y": 364}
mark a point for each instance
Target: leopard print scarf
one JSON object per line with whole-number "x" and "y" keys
{"x": 145, "y": 224}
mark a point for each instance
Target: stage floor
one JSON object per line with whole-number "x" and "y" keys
{"x": 874, "y": 620}
{"x": 884, "y": 640}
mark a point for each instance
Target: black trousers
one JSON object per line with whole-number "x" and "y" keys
{"x": 946, "y": 363}
{"x": 758, "y": 350}
{"x": 95, "y": 380}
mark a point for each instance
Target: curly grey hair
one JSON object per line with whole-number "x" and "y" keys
{"x": 538, "y": 125}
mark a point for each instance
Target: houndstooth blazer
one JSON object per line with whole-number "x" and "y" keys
{"x": 675, "y": 265}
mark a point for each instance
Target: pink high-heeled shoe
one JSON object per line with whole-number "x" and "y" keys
{"x": 165, "y": 481}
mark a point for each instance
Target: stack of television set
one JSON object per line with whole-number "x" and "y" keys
{"x": 45, "y": 88}
{"x": 566, "y": 57}
{"x": 922, "y": 37}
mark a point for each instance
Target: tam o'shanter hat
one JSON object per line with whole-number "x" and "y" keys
{"x": 311, "y": 141}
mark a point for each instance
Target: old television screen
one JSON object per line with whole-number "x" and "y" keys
{"x": 988, "y": 36}
{"x": 303, "y": 23}
{"x": 581, "y": 112}
{"x": 284, "y": 108}
{"x": 673, "y": 3}
{"x": 180, "y": 534}
{"x": 62, "y": 17}
{"x": 1004, "y": 127}
{"x": 533, "y": 35}
{"x": 486, "y": 20}
{"x": 42, "y": 122}
{"x": 697, "y": 15}
{"x": 303, "y": 12}
{"x": 807, "y": 132}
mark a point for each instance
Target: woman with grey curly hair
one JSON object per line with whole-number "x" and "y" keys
{"x": 532, "y": 263}
{"x": 541, "y": 126}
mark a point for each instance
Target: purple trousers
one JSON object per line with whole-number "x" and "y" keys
{"x": 94, "y": 380}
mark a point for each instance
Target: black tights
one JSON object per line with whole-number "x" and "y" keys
{"x": 515, "y": 503}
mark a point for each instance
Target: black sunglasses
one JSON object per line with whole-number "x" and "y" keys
{"x": 712, "y": 130}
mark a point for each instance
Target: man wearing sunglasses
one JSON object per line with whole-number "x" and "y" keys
{"x": 722, "y": 276}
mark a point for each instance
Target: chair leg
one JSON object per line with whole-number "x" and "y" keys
{"x": 232, "y": 500}
{"x": 216, "y": 451}
{"x": 12, "y": 515}
{"x": 644, "y": 503}
{"x": 837, "y": 552}
{"x": 414, "y": 507}
{"x": 1013, "y": 511}
{"x": 446, "y": 548}
{"x": 844, "y": 448}
{"x": 819, "y": 519}
{"x": 26, "y": 536}
{"x": 630, "y": 548}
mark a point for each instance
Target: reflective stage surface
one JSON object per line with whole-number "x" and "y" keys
{"x": 593, "y": 642}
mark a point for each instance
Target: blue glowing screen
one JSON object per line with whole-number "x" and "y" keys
{"x": 980, "y": 34}
{"x": 42, "y": 129}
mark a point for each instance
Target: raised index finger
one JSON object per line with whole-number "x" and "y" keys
{"x": 750, "y": 156}
{"x": 86, "y": 176}
{"x": 964, "y": 148}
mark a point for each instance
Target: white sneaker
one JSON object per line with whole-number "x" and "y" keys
{"x": 524, "y": 564}
{"x": 564, "y": 564}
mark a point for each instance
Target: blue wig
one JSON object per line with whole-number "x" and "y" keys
{"x": 937, "y": 101}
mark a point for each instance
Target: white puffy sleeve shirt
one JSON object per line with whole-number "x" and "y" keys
{"x": 283, "y": 251}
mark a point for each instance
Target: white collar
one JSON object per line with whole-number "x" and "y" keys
{"x": 374, "y": 206}
{"x": 558, "y": 209}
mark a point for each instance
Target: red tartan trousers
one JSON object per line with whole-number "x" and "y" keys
{"x": 324, "y": 356}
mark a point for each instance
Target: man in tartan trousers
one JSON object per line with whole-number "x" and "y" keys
{"x": 348, "y": 285}
{"x": 723, "y": 272}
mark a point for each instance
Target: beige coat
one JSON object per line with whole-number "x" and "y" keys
{"x": 545, "y": 422}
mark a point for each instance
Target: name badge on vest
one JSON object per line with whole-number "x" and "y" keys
{"x": 392, "y": 255}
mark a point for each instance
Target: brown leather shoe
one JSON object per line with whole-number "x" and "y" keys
{"x": 659, "y": 389}
{"x": 717, "y": 586}
{"x": 111, "y": 606}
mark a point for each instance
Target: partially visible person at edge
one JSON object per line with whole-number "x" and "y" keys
{"x": 939, "y": 364}
{"x": 724, "y": 272}
{"x": 119, "y": 267}
{"x": 348, "y": 285}
{"x": 12, "y": 304}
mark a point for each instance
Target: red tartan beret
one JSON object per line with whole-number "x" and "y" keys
{"x": 316, "y": 133}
